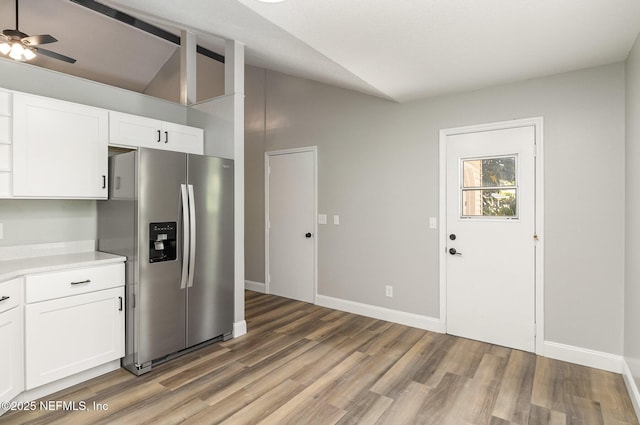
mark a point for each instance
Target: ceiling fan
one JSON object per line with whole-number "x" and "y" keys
{"x": 22, "y": 47}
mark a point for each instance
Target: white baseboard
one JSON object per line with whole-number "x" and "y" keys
{"x": 632, "y": 388}
{"x": 255, "y": 286}
{"x": 239, "y": 328}
{"x": 583, "y": 356}
{"x": 568, "y": 353}
{"x": 381, "y": 313}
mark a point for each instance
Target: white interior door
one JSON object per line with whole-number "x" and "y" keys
{"x": 291, "y": 200}
{"x": 490, "y": 227}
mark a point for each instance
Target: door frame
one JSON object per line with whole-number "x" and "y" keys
{"x": 267, "y": 155}
{"x": 537, "y": 123}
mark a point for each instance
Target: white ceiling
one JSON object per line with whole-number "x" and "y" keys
{"x": 397, "y": 49}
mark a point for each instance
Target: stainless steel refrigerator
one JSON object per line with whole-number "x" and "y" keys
{"x": 171, "y": 215}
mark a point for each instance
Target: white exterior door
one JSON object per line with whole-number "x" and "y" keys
{"x": 291, "y": 225}
{"x": 490, "y": 236}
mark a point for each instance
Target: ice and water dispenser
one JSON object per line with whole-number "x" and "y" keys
{"x": 162, "y": 242}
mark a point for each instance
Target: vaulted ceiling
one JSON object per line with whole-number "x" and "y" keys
{"x": 396, "y": 49}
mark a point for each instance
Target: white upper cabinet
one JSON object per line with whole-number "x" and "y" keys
{"x": 137, "y": 131}
{"x": 51, "y": 148}
{"x": 59, "y": 149}
{"x": 183, "y": 138}
{"x": 133, "y": 130}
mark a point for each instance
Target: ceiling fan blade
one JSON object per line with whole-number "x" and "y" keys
{"x": 55, "y": 55}
{"x": 36, "y": 40}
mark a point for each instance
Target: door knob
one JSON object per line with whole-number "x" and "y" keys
{"x": 453, "y": 251}
{"x": 307, "y": 235}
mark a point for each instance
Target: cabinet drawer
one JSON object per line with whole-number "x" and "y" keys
{"x": 10, "y": 294}
{"x": 46, "y": 286}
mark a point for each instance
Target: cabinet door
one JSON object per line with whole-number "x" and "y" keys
{"x": 182, "y": 138}
{"x": 136, "y": 131}
{"x": 11, "y": 355}
{"x": 133, "y": 130}
{"x": 72, "y": 334}
{"x": 59, "y": 149}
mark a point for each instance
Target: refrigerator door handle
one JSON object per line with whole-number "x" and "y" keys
{"x": 192, "y": 222}
{"x": 185, "y": 236}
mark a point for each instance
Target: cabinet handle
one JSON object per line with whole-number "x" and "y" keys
{"x": 158, "y": 136}
{"x": 4, "y": 298}
{"x": 81, "y": 282}
{"x": 166, "y": 137}
{"x": 120, "y": 298}
{"x": 104, "y": 181}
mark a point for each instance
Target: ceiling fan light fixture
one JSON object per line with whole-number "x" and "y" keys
{"x": 22, "y": 47}
{"x": 28, "y": 54}
{"x": 16, "y": 51}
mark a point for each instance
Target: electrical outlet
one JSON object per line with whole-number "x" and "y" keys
{"x": 388, "y": 291}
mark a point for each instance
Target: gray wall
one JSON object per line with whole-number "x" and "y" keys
{"x": 43, "y": 221}
{"x": 632, "y": 245}
{"x": 209, "y": 79}
{"x": 254, "y": 138}
{"x": 378, "y": 169}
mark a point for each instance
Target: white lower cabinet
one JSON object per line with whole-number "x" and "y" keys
{"x": 72, "y": 334}
{"x": 73, "y": 321}
{"x": 60, "y": 326}
{"x": 11, "y": 343}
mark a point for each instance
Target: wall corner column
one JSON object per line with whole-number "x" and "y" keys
{"x": 234, "y": 86}
{"x": 188, "y": 89}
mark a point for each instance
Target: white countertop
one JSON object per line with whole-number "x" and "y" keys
{"x": 10, "y": 269}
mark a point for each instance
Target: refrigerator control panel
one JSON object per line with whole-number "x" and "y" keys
{"x": 162, "y": 242}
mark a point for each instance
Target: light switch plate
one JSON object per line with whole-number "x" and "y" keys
{"x": 433, "y": 223}
{"x": 336, "y": 219}
{"x": 322, "y": 219}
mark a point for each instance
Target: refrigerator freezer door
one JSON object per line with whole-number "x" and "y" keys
{"x": 160, "y": 302}
{"x": 210, "y": 298}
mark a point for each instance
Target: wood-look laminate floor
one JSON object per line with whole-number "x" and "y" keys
{"x": 304, "y": 364}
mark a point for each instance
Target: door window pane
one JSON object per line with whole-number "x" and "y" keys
{"x": 489, "y": 203}
{"x": 489, "y": 187}
{"x": 489, "y": 172}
